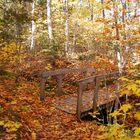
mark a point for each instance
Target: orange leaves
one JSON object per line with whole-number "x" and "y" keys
{"x": 100, "y": 20}
{"x": 104, "y": 64}
{"x": 107, "y": 30}
{"x": 60, "y": 63}
{"x": 118, "y": 26}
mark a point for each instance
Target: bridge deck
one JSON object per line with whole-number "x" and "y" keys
{"x": 69, "y": 103}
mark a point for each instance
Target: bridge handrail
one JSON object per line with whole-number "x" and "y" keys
{"x": 59, "y": 73}
{"x": 96, "y": 82}
{"x": 65, "y": 71}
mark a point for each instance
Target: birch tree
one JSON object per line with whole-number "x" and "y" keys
{"x": 66, "y": 28}
{"x": 118, "y": 50}
{"x": 49, "y": 21}
{"x": 33, "y": 27}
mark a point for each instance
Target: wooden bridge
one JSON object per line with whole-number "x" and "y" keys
{"x": 100, "y": 95}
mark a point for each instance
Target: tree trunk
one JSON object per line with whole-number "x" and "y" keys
{"x": 32, "y": 27}
{"x": 18, "y": 51}
{"x": 66, "y": 28}
{"x": 118, "y": 49}
{"x": 92, "y": 15}
{"x": 103, "y": 10}
{"x": 49, "y": 21}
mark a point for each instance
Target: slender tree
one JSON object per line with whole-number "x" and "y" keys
{"x": 118, "y": 49}
{"x": 66, "y": 28}
{"x": 103, "y": 10}
{"x": 33, "y": 26}
{"x": 49, "y": 21}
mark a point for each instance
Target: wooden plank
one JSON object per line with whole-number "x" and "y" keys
{"x": 100, "y": 77}
{"x": 109, "y": 75}
{"x": 65, "y": 71}
{"x": 87, "y": 80}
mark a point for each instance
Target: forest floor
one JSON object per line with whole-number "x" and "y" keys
{"x": 24, "y": 116}
{"x": 40, "y": 121}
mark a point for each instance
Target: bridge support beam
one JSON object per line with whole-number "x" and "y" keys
{"x": 95, "y": 96}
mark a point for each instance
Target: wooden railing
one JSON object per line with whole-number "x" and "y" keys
{"x": 59, "y": 74}
{"x": 96, "y": 82}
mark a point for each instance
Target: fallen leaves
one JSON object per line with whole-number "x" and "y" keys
{"x": 37, "y": 120}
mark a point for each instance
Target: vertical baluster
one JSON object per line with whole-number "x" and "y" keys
{"x": 59, "y": 85}
{"x": 79, "y": 100}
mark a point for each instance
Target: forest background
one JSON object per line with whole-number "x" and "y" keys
{"x": 39, "y": 35}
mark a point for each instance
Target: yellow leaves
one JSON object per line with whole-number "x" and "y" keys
{"x": 135, "y": 88}
{"x": 115, "y": 113}
{"x": 48, "y": 67}
{"x": 8, "y": 52}
{"x": 25, "y": 108}
{"x": 132, "y": 87}
{"x": 1, "y": 123}
{"x": 138, "y": 81}
{"x": 107, "y": 30}
{"x": 85, "y": 12}
{"x": 33, "y": 136}
{"x": 13, "y": 102}
{"x": 1, "y": 109}
{"x": 125, "y": 108}
{"x": 124, "y": 79}
{"x": 115, "y": 130}
{"x": 10, "y": 126}
{"x": 137, "y": 116}
{"x": 136, "y": 131}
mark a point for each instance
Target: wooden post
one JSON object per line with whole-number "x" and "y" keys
{"x": 59, "y": 85}
{"x": 117, "y": 100}
{"x": 95, "y": 97}
{"x": 42, "y": 89}
{"x": 107, "y": 106}
{"x": 79, "y": 101}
